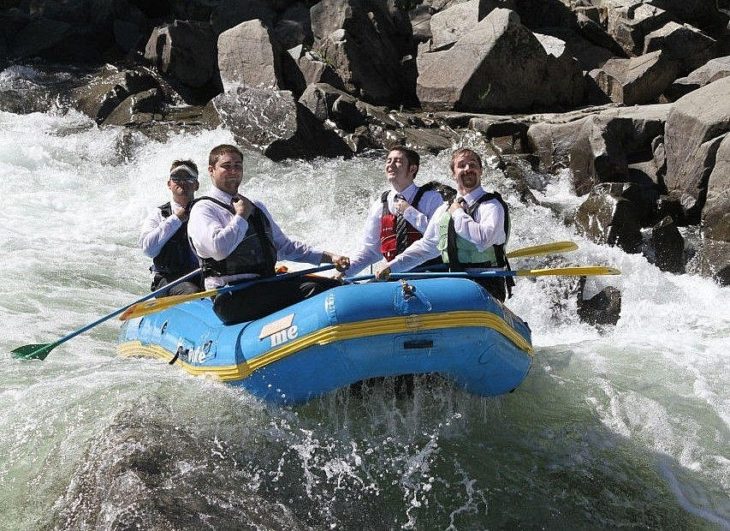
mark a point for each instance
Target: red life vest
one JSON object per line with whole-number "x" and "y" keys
{"x": 388, "y": 243}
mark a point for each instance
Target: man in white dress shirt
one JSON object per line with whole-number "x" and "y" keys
{"x": 469, "y": 233}
{"x": 164, "y": 236}
{"x": 237, "y": 239}
{"x": 400, "y": 215}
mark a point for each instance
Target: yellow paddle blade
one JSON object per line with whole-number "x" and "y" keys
{"x": 578, "y": 271}
{"x": 156, "y": 305}
{"x": 542, "y": 250}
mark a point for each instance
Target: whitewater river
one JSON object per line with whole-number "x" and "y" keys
{"x": 621, "y": 427}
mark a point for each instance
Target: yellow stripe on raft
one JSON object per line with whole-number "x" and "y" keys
{"x": 341, "y": 332}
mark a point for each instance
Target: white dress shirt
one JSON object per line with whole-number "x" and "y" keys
{"x": 157, "y": 230}
{"x": 215, "y": 233}
{"x": 369, "y": 251}
{"x": 484, "y": 230}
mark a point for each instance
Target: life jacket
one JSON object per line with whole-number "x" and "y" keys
{"x": 460, "y": 254}
{"x": 176, "y": 258}
{"x": 255, "y": 254}
{"x": 388, "y": 240}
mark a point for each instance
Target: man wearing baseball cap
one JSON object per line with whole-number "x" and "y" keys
{"x": 164, "y": 236}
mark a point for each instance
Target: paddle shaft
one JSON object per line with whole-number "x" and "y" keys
{"x": 142, "y": 308}
{"x": 558, "y": 271}
{"x": 48, "y": 347}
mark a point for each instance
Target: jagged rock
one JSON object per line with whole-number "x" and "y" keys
{"x": 593, "y": 32}
{"x": 101, "y": 96}
{"x": 700, "y": 13}
{"x": 230, "y": 13}
{"x": 137, "y": 108}
{"x": 38, "y": 36}
{"x": 449, "y": 25}
{"x": 630, "y": 23}
{"x": 670, "y": 205}
{"x": 248, "y": 55}
{"x": 683, "y": 44}
{"x": 712, "y": 259}
{"x": 603, "y": 308}
{"x": 598, "y": 147}
{"x": 668, "y": 246}
{"x": 363, "y": 43}
{"x": 716, "y": 211}
{"x": 693, "y": 133}
{"x": 608, "y": 217}
{"x": 328, "y": 103}
{"x": 184, "y": 50}
{"x": 278, "y": 125}
{"x": 638, "y": 80}
{"x": 496, "y": 67}
{"x": 711, "y": 71}
{"x": 315, "y": 70}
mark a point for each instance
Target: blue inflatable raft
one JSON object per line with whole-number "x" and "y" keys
{"x": 448, "y": 326}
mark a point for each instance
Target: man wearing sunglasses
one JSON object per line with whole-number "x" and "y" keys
{"x": 164, "y": 235}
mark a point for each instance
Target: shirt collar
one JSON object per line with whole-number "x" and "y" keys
{"x": 474, "y": 195}
{"x": 220, "y": 195}
{"x": 409, "y": 193}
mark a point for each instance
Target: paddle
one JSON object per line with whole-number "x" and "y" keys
{"x": 146, "y": 308}
{"x": 41, "y": 350}
{"x": 544, "y": 249}
{"x": 579, "y": 271}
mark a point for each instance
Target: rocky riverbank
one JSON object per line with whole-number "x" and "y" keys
{"x": 630, "y": 95}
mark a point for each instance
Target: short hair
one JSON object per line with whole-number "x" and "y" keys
{"x": 220, "y": 150}
{"x": 187, "y": 162}
{"x": 464, "y": 151}
{"x": 413, "y": 158}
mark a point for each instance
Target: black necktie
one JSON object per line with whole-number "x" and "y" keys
{"x": 401, "y": 230}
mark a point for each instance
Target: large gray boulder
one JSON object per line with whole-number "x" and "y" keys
{"x": 184, "y": 50}
{"x": 716, "y": 211}
{"x": 499, "y": 66}
{"x": 696, "y": 126}
{"x": 711, "y": 71}
{"x": 104, "y": 94}
{"x": 638, "y": 80}
{"x": 682, "y": 43}
{"x": 629, "y": 23}
{"x": 248, "y": 55}
{"x": 598, "y": 147}
{"x": 366, "y": 46}
{"x": 276, "y": 124}
{"x": 450, "y": 25}
{"x": 607, "y": 217}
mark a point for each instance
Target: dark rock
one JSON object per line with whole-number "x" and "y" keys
{"x": 137, "y": 108}
{"x": 315, "y": 70}
{"x": 668, "y": 246}
{"x": 275, "y": 123}
{"x": 603, "y": 308}
{"x": 420, "y": 17}
{"x": 363, "y": 42}
{"x": 328, "y": 103}
{"x": 230, "y": 13}
{"x": 699, "y": 13}
{"x": 671, "y": 206}
{"x": 593, "y": 32}
{"x": 101, "y": 96}
{"x": 294, "y": 27}
{"x": 685, "y": 45}
{"x": 184, "y": 50}
{"x": 607, "y": 217}
{"x": 711, "y": 71}
{"x": 630, "y": 23}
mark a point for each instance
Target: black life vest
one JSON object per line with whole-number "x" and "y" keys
{"x": 499, "y": 249}
{"x": 176, "y": 258}
{"x": 255, "y": 254}
{"x": 388, "y": 241}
